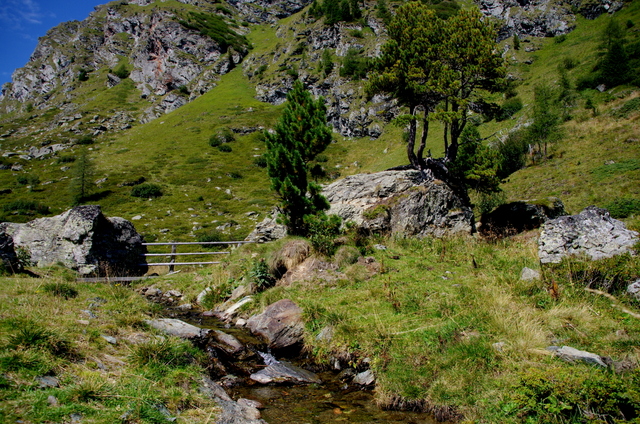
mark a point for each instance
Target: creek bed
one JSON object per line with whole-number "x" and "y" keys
{"x": 332, "y": 401}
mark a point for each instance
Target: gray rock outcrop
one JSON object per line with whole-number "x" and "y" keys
{"x": 268, "y": 230}
{"x": 542, "y": 18}
{"x": 634, "y": 289}
{"x": 280, "y": 324}
{"x": 592, "y": 233}
{"x": 231, "y": 412}
{"x": 82, "y": 239}
{"x": 401, "y": 202}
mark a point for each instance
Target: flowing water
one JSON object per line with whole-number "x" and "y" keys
{"x": 332, "y": 401}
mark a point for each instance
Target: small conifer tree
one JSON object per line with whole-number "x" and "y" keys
{"x": 299, "y": 135}
{"x": 80, "y": 186}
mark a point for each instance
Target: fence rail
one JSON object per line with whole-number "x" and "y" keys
{"x": 174, "y": 253}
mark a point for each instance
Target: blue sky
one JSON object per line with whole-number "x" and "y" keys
{"x": 23, "y": 21}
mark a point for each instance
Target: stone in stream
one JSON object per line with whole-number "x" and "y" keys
{"x": 231, "y": 412}
{"x": 280, "y": 324}
{"x": 178, "y": 328}
{"x": 284, "y": 372}
{"x": 228, "y": 343}
{"x": 365, "y": 378}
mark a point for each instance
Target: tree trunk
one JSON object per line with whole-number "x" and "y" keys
{"x": 423, "y": 139}
{"x": 413, "y": 159}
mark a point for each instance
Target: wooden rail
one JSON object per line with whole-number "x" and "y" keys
{"x": 174, "y": 247}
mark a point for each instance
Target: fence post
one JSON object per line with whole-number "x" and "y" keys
{"x": 174, "y": 248}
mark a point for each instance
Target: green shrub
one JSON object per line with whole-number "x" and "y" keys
{"x": 569, "y": 63}
{"x": 623, "y": 207}
{"x": 560, "y": 38}
{"x": 217, "y": 29}
{"x": 357, "y": 33}
{"x": 225, "y": 148}
{"x": 32, "y": 180}
{"x": 121, "y": 71}
{"x": 323, "y": 230}
{"x": 509, "y": 108}
{"x": 83, "y": 75}
{"x": 161, "y": 356}
{"x": 626, "y": 109}
{"x": 260, "y": 161}
{"x": 87, "y": 139}
{"x": 223, "y": 135}
{"x": 210, "y": 236}
{"x": 512, "y": 153}
{"x": 235, "y": 175}
{"x": 184, "y": 90}
{"x": 146, "y": 190}
{"x": 560, "y": 395}
{"x": 60, "y": 290}
{"x": 25, "y": 207}
{"x": 66, "y": 159}
{"x": 354, "y": 65}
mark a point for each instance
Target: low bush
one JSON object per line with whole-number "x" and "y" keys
{"x": 509, "y": 108}
{"x": 260, "y": 161}
{"x": 323, "y": 230}
{"x": 223, "y": 135}
{"x": 346, "y": 255}
{"x": 25, "y": 207}
{"x": 121, "y": 71}
{"x": 147, "y": 190}
{"x": 623, "y": 207}
{"x": 260, "y": 275}
{"x": 85, "y": 140}
{"x": 225, "y": 148}
{"x": 66, "y": 159}
{"x": 31, "y": 335}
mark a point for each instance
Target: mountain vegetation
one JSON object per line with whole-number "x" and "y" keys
{"x": 171, "y": 129}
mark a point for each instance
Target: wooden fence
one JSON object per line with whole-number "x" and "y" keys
{"x": 174, "y": 252}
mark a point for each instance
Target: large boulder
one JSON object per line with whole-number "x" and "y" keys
{"x": 592, "y": 233}
{"x": 402, "y": 202}
{"x": 82, "y": 239}
{"x": 280, "y": 324}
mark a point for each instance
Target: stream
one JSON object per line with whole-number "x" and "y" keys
{"x": 331, "y": 401}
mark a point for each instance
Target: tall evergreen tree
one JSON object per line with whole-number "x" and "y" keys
{"x": 80, "y": 186}
{"x": 299, "y": 135}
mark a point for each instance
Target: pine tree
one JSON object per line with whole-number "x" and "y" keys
{"x": 300, "y": 135}
{"x": 80, "y": 186}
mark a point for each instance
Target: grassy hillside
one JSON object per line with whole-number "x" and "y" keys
{"x": 448, "y": 324}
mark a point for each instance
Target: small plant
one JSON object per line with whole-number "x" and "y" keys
{"x": 260, "y": 275}
{"x": 219, "y": 293}
{"x": 225, "y": 148}
{"x": 516, "y": 42}
{"x": 29, "y": 180}
{"x": 83, "y": 75}
{"x": 260, "y": 161}
{"x": 184, "y": 90}
{"x": 147, "y": 190}
{"x": 509, "y": 108}
{"x": 209, "y": 237}
{"x": 31, "y": 335}
{"x": 569, "y": 63}
{"x": 356, "y": 33}
{"x": 60, "y": 290}
{"x": 261, "y": 70}
{"x": 235, "y": 175}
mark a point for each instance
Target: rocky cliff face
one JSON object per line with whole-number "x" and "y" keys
{"x": 543, "y": 18}
{"x": 170, "y": 64}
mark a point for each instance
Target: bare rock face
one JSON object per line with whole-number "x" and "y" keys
{"x": 592, "y": 233}
{"x": 400, "y": 202}
{"x": 82, "y": 239}
{"x": 280, "y": 324}
{"x": 543, "y": 18}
